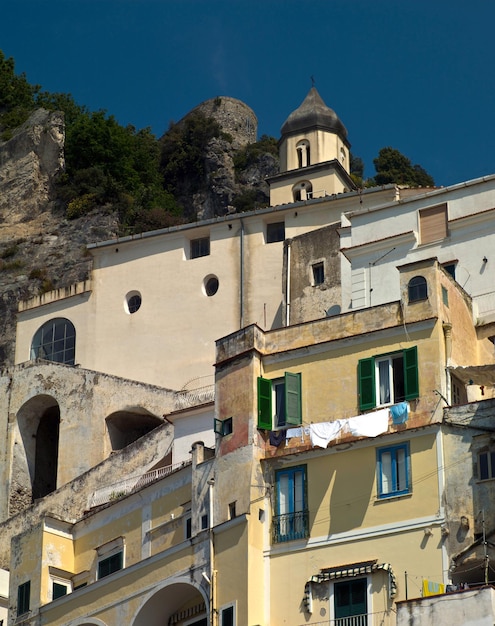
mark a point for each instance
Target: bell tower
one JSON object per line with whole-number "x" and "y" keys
{"x": 314, "y": 154}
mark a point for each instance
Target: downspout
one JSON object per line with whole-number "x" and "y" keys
{"x": 287, "y": 286}
{"x": 447, "y": 332}
{"x": 213, "y": 580}
{"x": 241, "y": 277}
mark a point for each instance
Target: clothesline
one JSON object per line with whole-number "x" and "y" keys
{"x": 365, "y": 425}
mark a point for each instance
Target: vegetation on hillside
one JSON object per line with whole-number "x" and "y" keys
{"x": 391, "y": 166}
{"x": 121, "y": 168}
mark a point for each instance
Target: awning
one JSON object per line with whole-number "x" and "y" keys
{"x": 350, "y": 570}
{"x": 475, "y": 374}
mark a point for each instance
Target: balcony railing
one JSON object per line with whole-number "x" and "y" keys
{"x": 370, "y": 619}
{"x": 124, "y": 487}
{"x": 290, "y": 526}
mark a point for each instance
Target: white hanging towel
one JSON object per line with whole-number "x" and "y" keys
{"x": 323, "y": 432}
{"x": 369, "y": 424}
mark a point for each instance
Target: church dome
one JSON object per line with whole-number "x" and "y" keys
{"x": 313, "y": 113}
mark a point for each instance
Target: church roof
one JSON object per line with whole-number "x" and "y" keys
{"x": 312, "y": 113}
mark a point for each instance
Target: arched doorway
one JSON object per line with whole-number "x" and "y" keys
{"x": 35, "y": 462}
{"x": 126, "y": 426}
{"x": 175, "y": 604}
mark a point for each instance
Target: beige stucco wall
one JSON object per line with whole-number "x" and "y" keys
{"x": 170, "y": 340}
{"x": 324, "y": 146}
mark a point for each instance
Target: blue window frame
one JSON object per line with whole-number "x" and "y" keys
{"x": 291, "y": 518}
{"x": 393, "y": 468}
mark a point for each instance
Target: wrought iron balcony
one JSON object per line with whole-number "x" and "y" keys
{"x": 290, "y": 526}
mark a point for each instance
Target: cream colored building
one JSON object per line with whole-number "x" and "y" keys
{"x": 215, "y": 408}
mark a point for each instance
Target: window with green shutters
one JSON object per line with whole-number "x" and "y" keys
{"x": 388, "y": 379}
{"x": 279, "y": 402}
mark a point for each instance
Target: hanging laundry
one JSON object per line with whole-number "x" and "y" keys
{"x": 276, "y": 437}
{"x": 399, "y": 412}
{"x": 295, "y": 432}
{"x": 323, "y": 432}
{"x": 369, "y": 424}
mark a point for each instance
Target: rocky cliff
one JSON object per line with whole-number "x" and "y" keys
{"x": 41, "y": 250}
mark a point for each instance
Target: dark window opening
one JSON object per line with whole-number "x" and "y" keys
{"x": 188, "y": 527}
{"x": 417, "y": 289}
{"x": 111, "y": 564}
{"x": 58, "y": 590}
{"x": 23, "y": 597}
{"x": 227, "y": 616}
{"x": 450, "y": 269}
{"x": 318, "y": 274}
{"x": 200, "y": 247}
{"x": 486, "y": 462}
{"x": 134, "y": 303}
{"x": 211, "y": 286}
{"x": 275, "y": 232}
{"x": 46, "y": 454}
{"x": 55, "y": 341}
{"x": 350, "y": 600}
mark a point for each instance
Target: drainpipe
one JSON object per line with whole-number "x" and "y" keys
{"x": 447, "y": 333}
{"x": 213, "y": 581}
{"x": 287, "y": 286}
{"x": 241, "y": 277}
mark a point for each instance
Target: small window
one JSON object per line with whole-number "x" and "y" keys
{"x": 110, "y": 564}
{"x": 55, "y": 341}
{"x": 227, "y": 616}
{"x": 388, "y": 379}
{"x": 275, "y": 232}
{"x": 318, "y": 274}
{"x": 291, "y": 516}
{"x": 302, "y": 191}
{"x": 450, "y": 269}
{"x": 60, "y": 588}
{"x": 232, "y": 510}
{"x": 417, "y": 289}
{"x": 200, "y": 247}
{"x": 486, "y": 465}
{"x": 433, "y": 224}
{"x": 23, "y": 598}
{"x": 132, "y": 302}
{"x": 279, "y": 402}
{"x": 188, "y": 527}
{"x": 223, "y": 427}
{"x": 211, "y": 285}
{"x": 393, "y": 471}
{"x": 204, "y": 522}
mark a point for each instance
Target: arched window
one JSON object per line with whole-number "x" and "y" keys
{"x": 303, "y": 153}
{"x": 417, "y": 289}
{"x": 302, "y": 191}
{"x": 55, "y": 341}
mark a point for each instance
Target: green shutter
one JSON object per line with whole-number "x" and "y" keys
{"x": 264, "y": 403}
{"x": 366, "y": 381}
{"x": 411, "y": 381}
{"x": 293, "y": 404}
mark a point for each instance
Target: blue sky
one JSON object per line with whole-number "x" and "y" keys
{"x": 416, "y": 75}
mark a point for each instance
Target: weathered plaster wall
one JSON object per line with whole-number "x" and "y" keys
{"x": 308, "y": 301}
{"x": 85, "y": 399}
{"x": 71, "y": 500}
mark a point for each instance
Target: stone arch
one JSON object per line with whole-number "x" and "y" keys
{"x": 128, "y": 425}
{"x": 35, "y": 461}
{"x": 303, "y": 153}
{"x": 85, "y": 621}
{"x": 178, "y": 597}
{"x": 302, "y": 191}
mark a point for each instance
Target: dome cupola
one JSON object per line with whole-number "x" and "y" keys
{"x": 313, "y": 113}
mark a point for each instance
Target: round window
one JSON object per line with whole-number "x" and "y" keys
{"x": 211, "y": 285}
{"x": 132, "y": 302}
